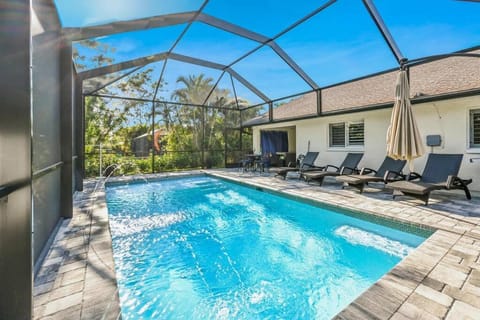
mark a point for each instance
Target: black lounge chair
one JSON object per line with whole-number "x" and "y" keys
{"x": 440, "y": 173}
{"x": 390, "y": 170}
{"x": 307, "y": 163}
{"x": 348, "y": 166}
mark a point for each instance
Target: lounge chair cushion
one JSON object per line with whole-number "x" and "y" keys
{"x": 318, "y": 176}
{"x": 283, "y": 169}
{"x": 359, "y": 179}
{"x": 416, "y": 187}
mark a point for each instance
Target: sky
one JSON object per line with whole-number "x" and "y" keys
{"x": 338, "y": 44}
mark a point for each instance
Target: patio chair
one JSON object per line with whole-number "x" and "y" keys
{"x": 440, "y": 173}
{"x": 306, "y": 163}
{"x": 348, "y": 166}
{"x": 390, "y": 170}
{"x": 247, "y": 163}
{"x": 263, "y": 163}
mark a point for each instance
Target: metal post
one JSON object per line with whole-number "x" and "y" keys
{"x": 78, "y": 117}
{"x": 100, "y": 161}
{"x": 241, "y": 131}
{"x": 377, "y": 19}
{"x": 225, "y": 138}
{"x": 157, "y": 87}
{"x": 203, "y": 137}
{"x": 319, "y": 102}
{"x": 153, "y": 137}
{"x": 83, "y": 136}
{"x": 270, "y": 111}
{"x": 66, "y": 138}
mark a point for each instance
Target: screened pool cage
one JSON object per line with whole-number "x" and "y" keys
{"x": 205, "y": 76}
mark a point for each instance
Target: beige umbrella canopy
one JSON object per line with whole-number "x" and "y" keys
{"x": 403, "y": 138}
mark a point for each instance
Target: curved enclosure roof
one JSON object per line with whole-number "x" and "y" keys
{"x": 262, "y": 50}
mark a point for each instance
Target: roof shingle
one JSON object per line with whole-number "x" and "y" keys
{"x": 444, "y": 76}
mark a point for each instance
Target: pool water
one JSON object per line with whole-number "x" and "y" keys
{"x": 203, "y": 248}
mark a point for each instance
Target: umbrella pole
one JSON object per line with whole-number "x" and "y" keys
{"x": 411, "y": 166}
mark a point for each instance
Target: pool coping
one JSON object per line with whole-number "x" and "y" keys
{"x": 439, "y": 279}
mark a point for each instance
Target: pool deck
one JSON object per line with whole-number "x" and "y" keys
{"x": 438, "y": 280}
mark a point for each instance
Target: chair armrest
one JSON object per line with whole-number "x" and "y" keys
{"x": 353, "y": 170}
{"x": 367, "y": 171}
{"x": 328, "y": 166}
{"x": 292, "y": 164}
{"x": 453, "y": 182}
{"x": 311, "y": 165}
{"x": 413, "y": 176}
{"x": 307, "y": 167}
{"x": 395, "y": 176}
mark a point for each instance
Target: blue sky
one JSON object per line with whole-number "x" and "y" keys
{"x": 338, "y": 44}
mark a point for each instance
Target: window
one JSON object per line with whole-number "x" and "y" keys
{"x": 347, "y": 134}
{"x": 337, "y": 135}
{"x": 475, "y": 128}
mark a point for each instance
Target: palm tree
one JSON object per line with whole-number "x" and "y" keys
{"x": 195, "y": 91}
{"x": 203, "y": 128}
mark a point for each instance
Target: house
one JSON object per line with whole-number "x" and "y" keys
{"x": 355, "y": 115}
{"x": 142, "y": 144}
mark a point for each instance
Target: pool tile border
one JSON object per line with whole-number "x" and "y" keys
{"x": 438, "y": 280}
{"x": 418, "y": 229}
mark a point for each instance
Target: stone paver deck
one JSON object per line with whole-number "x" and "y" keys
{"x": 438, "y": 280}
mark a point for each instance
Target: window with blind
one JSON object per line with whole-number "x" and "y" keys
{"x": 475, "y": 128}
{"x": 337, "y": 135}
{"x": 345, "y": 134}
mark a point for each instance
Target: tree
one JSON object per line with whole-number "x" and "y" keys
{"x": 193, "y": 124}
{"x": 90, "y": 53}
{"x": 203, "y": 127}
{"x": 106, "y": 119}
{"x": 194, "y": 92}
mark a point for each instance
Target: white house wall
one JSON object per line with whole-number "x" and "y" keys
{"x": 448, "y": 118}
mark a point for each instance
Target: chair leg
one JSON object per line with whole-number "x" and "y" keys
{"x": 467, "y": 193}
{"x": 320, "y": 181}
{"x": 358, "y": 186}
{"x": 396, "y": 193}
{"x": 361, "y": 186}
{"x": 463, "y": 185}
{"x": 423, "y": 197}
{"x": 426, "y": 197}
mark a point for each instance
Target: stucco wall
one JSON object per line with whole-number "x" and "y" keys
{"x": 448, "y": 118}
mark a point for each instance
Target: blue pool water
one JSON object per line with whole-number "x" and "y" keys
{"x": 202, "y": 248}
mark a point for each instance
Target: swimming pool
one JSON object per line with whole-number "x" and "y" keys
{"x": 204, "y": 248}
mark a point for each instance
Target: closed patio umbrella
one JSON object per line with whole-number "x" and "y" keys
{"x": 403, "y": 138}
